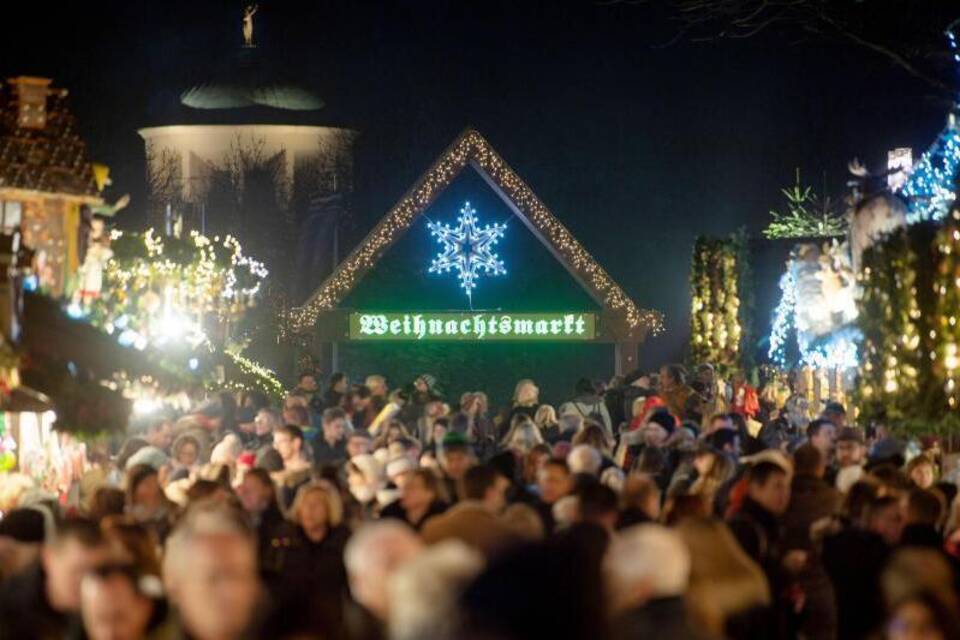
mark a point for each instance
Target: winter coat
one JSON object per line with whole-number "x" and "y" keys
{"x": 812, "y": 499}
{"x": 854, "y": 559}
{"x": 661, "y": 618}
{"x": 590, "y": 406}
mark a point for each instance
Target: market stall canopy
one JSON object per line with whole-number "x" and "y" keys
{"x": 48, "y": 333}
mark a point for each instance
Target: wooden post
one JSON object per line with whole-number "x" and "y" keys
{"x": 625, "y": 357}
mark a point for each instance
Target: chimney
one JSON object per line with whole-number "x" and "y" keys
{"x": 31, "y": 95}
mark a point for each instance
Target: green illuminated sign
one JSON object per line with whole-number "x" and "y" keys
{"x": 473, "y": 326}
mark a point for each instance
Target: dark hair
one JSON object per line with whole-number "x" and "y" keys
{"x": 924, "y": 507}
{"x": 584, "y": 386}
{"x": 807, "y": 459}
{"x": 130, "y": 447}
{"x": 721, "y": 438}
{"x": 269, "y": 459}
{"x": 477, "y": 481}
{"x": 202, "y": 489}
{"x": 333, "y": 413}
{"x": 677, "y": 372}
{"x": 861, "y": 493}
{"x": 304, "y": 374}
{"x": 878, "y": 504}
{"x": 761, "y": 472}
{"x": 432, "y": 483}
{"x": 135, "y": 475}
{"x": 816, "y": 425}
{"x": 442, "y": 421}
{"x": 596, "y": 500}
{"x": 291, "y": 430}
{"x": 361, "y": 390}
{"x": 81, "y": 530}
{"x": 106, "y": 501}
{"x": 300, "y": 414}
{"x": 336, "y": 378}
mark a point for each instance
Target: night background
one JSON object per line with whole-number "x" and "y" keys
{"x": 635, "y": 146}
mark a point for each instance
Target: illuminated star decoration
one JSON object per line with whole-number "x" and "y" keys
{"x": 468, "y": 249}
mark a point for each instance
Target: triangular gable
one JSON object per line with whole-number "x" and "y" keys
{"x": 630, "y": 322}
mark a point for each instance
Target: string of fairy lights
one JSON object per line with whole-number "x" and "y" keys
{"x": 471, "y": 147}
{"x": 929, "y": 188}
{"x": 947, "y": 288}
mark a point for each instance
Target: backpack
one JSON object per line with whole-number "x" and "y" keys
{"x": 594, "y": 414}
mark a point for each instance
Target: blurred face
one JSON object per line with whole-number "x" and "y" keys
{"x": 849, "y": 453}
{"x": 359, "y": 403}
{"x": 913, "y": 621}
{"x": 420, "y": 385}
{"x": 655, "y": 435}
{"x": 824, "y": 439}
{"x": 377, "y": 386}
{"x": 65, "y": 566}
{"x": 496, "y": 498}
{"x": 923, "y": 476}
{"x": 313, "y": 512}
{"x": 528, "y": 394}
{"x": 187, "y": 454}
{"x": 308, "y": 383}
{"x": 438, "y": 432}
{"x": 217, "y": 594}
{"x": 254, "y": 496}
{"x": 435, "y": 409}
{"x": 703, "y": 463}
{"x": 888, "y": 523}
{"x": 162, "y": 436}
{"x": 455, "y": 464}
{"x": 286, "y": 446}
{"x": 553, "y": 482}
{"x": 358, "y": 445}
{"x": 263, "y": 423}
{"x": 334, "y": 429}
{"x": 415, "y": 495}
{"x": 113, "y": 610}
{"x": 774, "y": 494}
{"x": 341, "y": 386}
{"x": 147, "y": 493}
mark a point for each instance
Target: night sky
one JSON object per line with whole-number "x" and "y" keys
{"x": 636, "y": 148}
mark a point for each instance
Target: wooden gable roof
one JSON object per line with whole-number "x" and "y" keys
{"x": 627, "y": 320}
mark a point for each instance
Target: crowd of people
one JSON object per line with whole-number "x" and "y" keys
{"x": 660, "y": 505}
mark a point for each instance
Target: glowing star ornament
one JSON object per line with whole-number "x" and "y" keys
{"x": 468, "y": 249}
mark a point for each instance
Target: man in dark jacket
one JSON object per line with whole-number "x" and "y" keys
{"x": 854, "y": 558}
{"x": 811, "y": 500}
{"x": 44, "y": 600}
{"x": 647, "y": 569}
{"x": 758, "y": 527}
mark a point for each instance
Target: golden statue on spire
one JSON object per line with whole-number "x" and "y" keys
{"x": 248, "y": 13}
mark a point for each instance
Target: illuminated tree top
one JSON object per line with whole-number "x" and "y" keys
{"x": 471, "y": 148}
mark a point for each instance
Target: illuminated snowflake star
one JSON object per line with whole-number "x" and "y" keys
{"x": 468, "y": 249}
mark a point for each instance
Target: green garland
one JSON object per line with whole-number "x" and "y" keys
{"x": 716, "y": 329}
{"x": 909, "y": 296}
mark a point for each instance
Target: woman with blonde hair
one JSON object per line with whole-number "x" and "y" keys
{"x": 728, "y": 592}
{"x": 546, "y": 420}
{"x": 306, "y": 556}
{"x": 526, "y": 401}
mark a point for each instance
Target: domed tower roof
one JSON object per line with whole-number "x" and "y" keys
{"x": 248, "y": 81}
